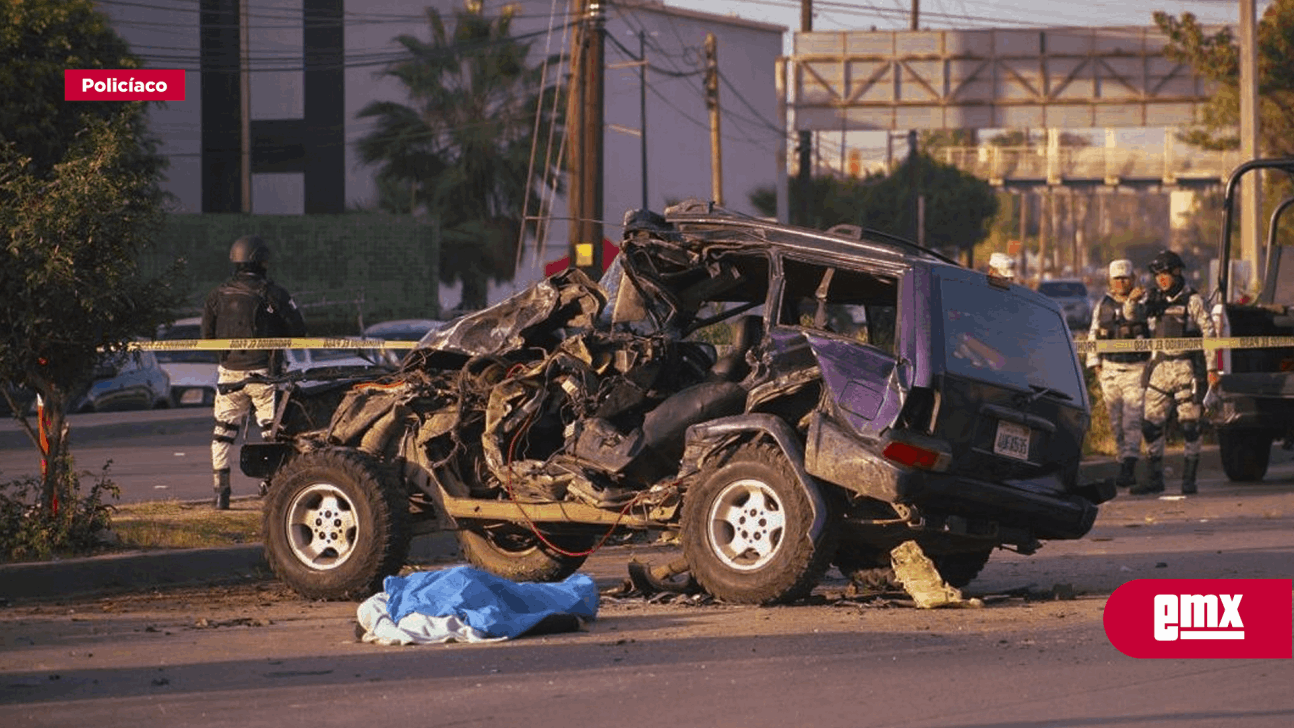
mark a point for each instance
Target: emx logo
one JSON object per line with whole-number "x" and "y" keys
{"x": 1201, "y": 618}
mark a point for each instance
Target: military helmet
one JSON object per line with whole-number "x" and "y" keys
{"x": 249, "y": 249}
{"x": 1166, "y": 262}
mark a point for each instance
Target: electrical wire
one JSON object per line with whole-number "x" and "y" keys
{"x": 534, "y": 141}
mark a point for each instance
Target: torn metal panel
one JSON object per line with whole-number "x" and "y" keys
{"x": 920, "y": 579}
{"x": 526, "y": 318}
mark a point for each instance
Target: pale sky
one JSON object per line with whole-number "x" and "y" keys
{"x": 976, "y": 14}
{"x": 969, "y": 14}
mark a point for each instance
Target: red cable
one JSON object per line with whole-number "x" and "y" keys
{"x": 507, "y": 485}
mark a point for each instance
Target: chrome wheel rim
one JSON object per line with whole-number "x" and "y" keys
{"x": 321, "y": 526}
{"x": 746, "y": 524}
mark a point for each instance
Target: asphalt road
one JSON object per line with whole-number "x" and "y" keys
{"x": 252, "y": 653}
{"x": 255, "y": 654}
{"x": 151, "y": 454}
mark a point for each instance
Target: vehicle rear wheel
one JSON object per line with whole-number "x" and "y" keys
{"x": 869, "y": 567}
{"x": 961, "y": 568}
{"x": 865, "y": 565}
{"x": 748, "y": 530}
{"x": 513, "y": 552}
{"x": 335, "y": 525}
{"x": 1245, "y": 454}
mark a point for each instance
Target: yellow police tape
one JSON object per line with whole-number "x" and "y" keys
{"x": 1108, "y": 346}
{"x": 1103, "y": 346}
{"x": 290, "y": 343}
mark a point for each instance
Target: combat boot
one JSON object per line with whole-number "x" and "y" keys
{"x": 221, "y": 486}
{"x": 1127, "y": 473}
{"x": 1189, "y": 467}
{"x": 1156, "y": 481}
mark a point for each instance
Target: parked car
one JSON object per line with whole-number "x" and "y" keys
{"x": 775, "y": 399}
{"x": 192, "y": 373}
{"x": 22, "y": 397}
{"x": 124, "y": 381}
{"x": 399, "y": 330}
{"x": 1074, "y": 300}
{"x": 302, "y": 359}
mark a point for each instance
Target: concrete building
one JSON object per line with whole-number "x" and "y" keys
{"x": 315, "y": 63}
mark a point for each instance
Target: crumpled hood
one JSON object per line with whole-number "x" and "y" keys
{"x": 568, "y": 299}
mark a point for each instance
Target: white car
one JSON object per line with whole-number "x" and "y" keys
{"x": 301, "y": 359}
{"x": 399, "y": 330}
{"x": 193, "y": 373}
{"x": 1074, "y": 300}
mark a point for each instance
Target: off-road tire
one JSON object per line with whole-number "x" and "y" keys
{"x": 754, "y": 499}
{"x": 1245, "y": 454}
{"x": 335, "y": 524}
{"x": 514, "y": 552}
{"x": 866, "y": 566}
{"x": 961, "y": 568}
{"x": 869, "y": 568}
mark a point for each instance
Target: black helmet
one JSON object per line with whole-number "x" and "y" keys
{"x": 249, "y": 249}
{"x": 1166, "y": 262}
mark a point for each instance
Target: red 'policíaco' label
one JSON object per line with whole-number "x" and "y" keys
{"x": 123, "y": 84}
{"x": 1201, "y": 618}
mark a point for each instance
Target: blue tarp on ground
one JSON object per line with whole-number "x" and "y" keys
{"x": 489, "y": 603}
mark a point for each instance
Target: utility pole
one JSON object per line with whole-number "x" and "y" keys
{"x": 712, "y": 103}
{"x": 245, "y": 109}
{"x": 585, "y": 129}
{"x": 805, "y": 178}
{"x": 642, "y": 105}
{"x": 1251, "y": 184}
{"x": 918, "y": 203}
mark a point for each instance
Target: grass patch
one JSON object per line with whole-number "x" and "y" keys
{"x": 180, "y": 525}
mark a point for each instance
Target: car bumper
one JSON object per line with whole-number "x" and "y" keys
{"x": 1038, "y": 507}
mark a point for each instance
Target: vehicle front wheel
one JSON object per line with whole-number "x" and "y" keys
{"x": 335, "y": 525}
{"x": 1245, "y": 454}
{"x": 748, "y": 530}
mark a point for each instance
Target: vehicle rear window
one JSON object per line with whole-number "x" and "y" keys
{"x": 1062, "y": 289}
{"x": 998, "y": 336}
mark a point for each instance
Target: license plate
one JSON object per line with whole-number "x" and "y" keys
{"x": 1012, "y": 440}
{"x": 191, "y": 396}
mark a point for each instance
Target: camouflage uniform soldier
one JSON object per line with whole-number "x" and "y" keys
{"x": 1174, "y": 310}
{"x": 248, "y": 305}
{"x": 1120, "y": 373}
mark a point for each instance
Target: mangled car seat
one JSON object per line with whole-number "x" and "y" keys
{"x": 733, "y": 366}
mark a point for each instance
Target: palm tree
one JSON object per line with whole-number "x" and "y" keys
{"x": 461, "y": 150}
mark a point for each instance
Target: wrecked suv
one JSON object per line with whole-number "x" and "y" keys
{"x": 775, "y": 400}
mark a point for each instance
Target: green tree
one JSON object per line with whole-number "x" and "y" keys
{"x": 1216, "y": 56}
{"x": 79, "y": 200}
{"x": 959, "y": 207}
{"x": 460, "y": 151}
{"x": 38, "y": 40}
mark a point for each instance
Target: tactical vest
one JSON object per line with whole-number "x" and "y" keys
{"x": 244, "y": 309}
{"x": 1174, "y": 320}
{"x": 1112, "y": 324}
{"x": 1174, "y": 317}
